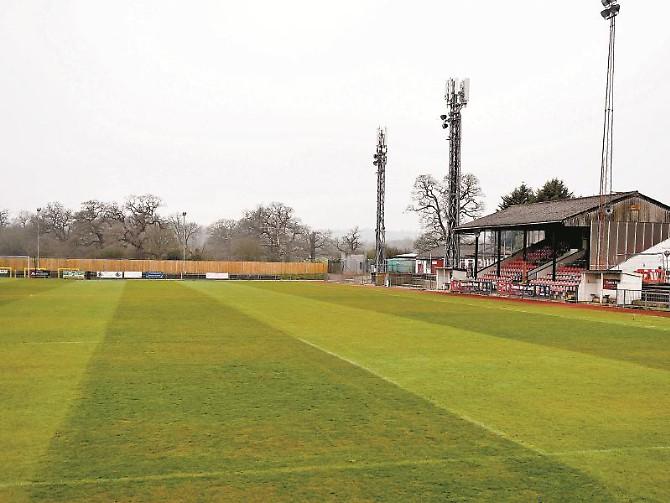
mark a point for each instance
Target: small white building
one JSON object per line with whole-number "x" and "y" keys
{"x": 354, "y": 264}
{"x": 602, "y": 286}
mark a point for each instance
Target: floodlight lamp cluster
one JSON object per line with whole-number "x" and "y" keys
{"x": 457, "y": 96}
{"x": 612, "y": 9}
{"x": 380, "y": 156}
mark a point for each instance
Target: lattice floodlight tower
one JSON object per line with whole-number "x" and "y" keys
{"x": 456, "y": 96}
{"x": 610, "y": 13}
{"x": 380, "y": 230}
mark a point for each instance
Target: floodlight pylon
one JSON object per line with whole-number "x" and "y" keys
{"x": 380, "y": 230}
{"x": 457, "y": 96}
{"x": 606, "y": 191}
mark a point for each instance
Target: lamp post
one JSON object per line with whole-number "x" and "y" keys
{"x": 37, "y": 265}
{"x": 183, "y": 269}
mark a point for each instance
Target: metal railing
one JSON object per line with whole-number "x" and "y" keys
{"x": 646, "y": 299}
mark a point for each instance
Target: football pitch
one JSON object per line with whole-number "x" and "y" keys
{"x": 260, "y": 391}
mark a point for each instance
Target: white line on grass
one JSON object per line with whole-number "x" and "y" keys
{"x": 463, "y": 416}
{"x": 57, "y": 342}
{"x": 612, "y": 450}
{"x": 351, "y": 465}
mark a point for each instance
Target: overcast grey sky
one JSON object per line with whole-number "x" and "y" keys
{"x": 216, "y": 106}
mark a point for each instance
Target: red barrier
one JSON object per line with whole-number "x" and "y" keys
{"x": 504, "y": 287}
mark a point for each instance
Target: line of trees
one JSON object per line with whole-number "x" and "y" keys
{"x": 272, "y": 232}
{"x": 137, "y": 229}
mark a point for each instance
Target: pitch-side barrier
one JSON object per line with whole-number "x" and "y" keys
{"x": 510, "y": 289}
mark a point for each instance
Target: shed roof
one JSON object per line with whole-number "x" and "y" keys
{"x": 546, "y": 212}
{"x": 466, "y": 249}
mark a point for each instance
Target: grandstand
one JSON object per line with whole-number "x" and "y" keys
{"x": 569, "y": 250}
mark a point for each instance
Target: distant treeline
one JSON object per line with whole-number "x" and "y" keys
{"x": 137, "y": 229}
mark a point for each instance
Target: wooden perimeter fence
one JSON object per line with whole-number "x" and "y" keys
{"x": 172, "y": 267}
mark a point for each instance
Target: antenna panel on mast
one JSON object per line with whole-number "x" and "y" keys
{"x": 465, "y": 90}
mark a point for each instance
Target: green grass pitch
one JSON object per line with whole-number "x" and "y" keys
{"x": 243, "y": 391}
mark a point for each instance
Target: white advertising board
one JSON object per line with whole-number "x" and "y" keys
{"x": 217, "y": 275}
{"x": 132, "y": 274}
{"x": 109, "y": 274}
{"x": 74, "y": 275}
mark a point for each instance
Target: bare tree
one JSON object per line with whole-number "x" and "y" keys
{"x": 93, "y": 222}
{"x": 23, "y": 219}
{"x": 57, "y": 220}
{"x": 278, "y": 227}
{"x": 350, "y": 243}
{"x": 4, "y": 218}
{"x": 472, "y": 198}
{"x": 140, "y": 215}
{"x": 183, "y": 231}
{"x": 160, "y": 242}
{"x": 317, "y": 241}
{"x": 221, "y": 237}
{"x": 430, "y": 201}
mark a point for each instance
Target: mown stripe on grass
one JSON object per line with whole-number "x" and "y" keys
{"x": 634, "y": 340}
{"x": 16, "y": 290}
{"x": 465, "y": 417}
{"x": 39, "y": 375}
{"x": 185, "y": 384}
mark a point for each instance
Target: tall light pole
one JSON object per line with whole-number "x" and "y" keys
{"x": 610, "y": 13}
{"x": 37, "y": 265}
{"x": 183, "y": 269}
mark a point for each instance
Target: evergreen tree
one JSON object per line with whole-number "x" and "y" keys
{"x": 553, "y": 190}
{"x": 523, "y": 194}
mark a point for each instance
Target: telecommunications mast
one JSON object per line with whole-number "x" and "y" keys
{"x": 380, "y": 230}
{"x": 610, "y": 13}
{"x": 457, "y": 96}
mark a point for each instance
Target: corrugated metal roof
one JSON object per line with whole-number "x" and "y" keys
{"x": 540, "y": 213}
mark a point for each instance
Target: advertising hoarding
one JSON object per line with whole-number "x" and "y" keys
{"x": 109, "y": 275}
{"x": 74, "y": 275}
{"x": 610, "y": 284}
{"x": 217, "y": 275}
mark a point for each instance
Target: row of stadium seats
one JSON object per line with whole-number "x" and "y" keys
{"x": 513, "y": 271}
{"x": 539, "y": 255}
{"x": 567, "y": 279}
